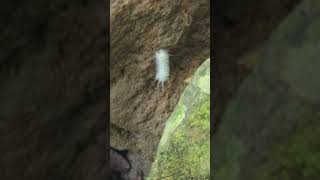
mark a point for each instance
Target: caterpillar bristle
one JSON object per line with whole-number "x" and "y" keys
{"x": 162, "y": 66}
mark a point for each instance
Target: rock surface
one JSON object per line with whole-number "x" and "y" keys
{"x": 241, "y": 29}
{"x": 271, "y": 128}
{"x": 53, "y": 90}
{"x": 184, "y": 149}
{"x": 138, "y": 29}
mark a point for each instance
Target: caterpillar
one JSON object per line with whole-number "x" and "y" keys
{"x": 162, "y": 66}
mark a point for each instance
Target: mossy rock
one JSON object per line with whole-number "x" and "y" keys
{"x": 271, "y": 128}
{"x": 184, "y": 149}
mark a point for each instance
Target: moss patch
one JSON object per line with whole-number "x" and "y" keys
{"x": 184, "y": 149}
{"x": 187, "y": 155}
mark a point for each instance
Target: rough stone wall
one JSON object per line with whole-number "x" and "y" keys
{"x": 52, "y": 89}
{"x": 138, "y": 29}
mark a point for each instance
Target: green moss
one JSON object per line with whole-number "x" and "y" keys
{"x": 203, "y": 77}
{"x": 301, "y": 159}
{"x": 296, "y": 76}
{"x": 229, "y": 157}
{"x": 187, "y": 155}
{"x": 297, "y": 158}
{"x": 184, "y": 149}
{"x": 173, "y": 123}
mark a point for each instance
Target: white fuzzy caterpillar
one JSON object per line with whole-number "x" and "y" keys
{"x": 162, "y": 66}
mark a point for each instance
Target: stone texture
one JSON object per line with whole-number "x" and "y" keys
{"x": 138, "y": 29}
{"x": 271, "y": 128}
{"x": 241, "y": 29}
{"x": 53, "y": 90}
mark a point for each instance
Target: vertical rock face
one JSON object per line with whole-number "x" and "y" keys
{"x": 271, "y": 128}
{"x": 52, "y": 89}
{"x": 138, "y": 29}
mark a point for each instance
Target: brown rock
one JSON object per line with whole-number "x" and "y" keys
{"x": 138, "y": 29}
{"x": 53, "y": 90}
